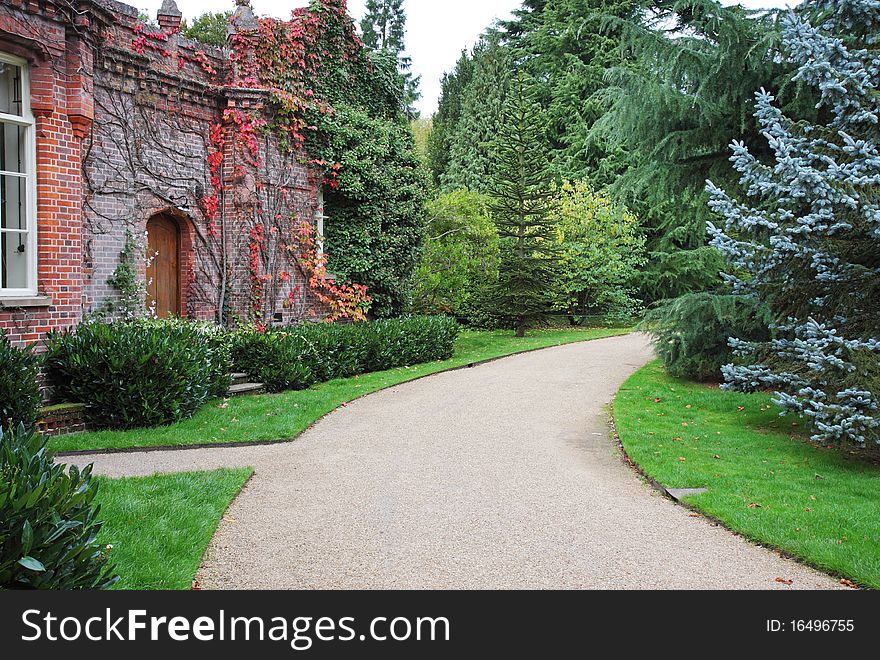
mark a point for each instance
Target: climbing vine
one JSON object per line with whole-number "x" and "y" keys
{"x": 335, "y": 102}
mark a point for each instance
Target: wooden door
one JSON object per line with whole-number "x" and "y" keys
{"x": 163, "y": 273}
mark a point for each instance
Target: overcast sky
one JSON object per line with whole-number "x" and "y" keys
{"x": 437, "y": 31}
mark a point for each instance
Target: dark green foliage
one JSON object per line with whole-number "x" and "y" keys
{"x": 568, "y": 47}
{"x": 520, "y": 202}
{"x": 279, "y": 360}
{"x": 20, "y": 398}
{"x": 482, "y": 110}
{"x": 138, "y": 374}
{"x": 209, "y": 28}
{"x": 48, "y": 521}
{"x": 691, "y": 332}
{"x": 412, "y": 340}
{"x": 383, "y": 28}
{"x": 299, "y": 357}
{"x": 375, "y": 230}
{"x": 449, "y": 110}
{"x": 676, "y": 107}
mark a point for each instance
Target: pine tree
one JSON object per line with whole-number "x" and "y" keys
{"x": 482, "y": 109}
{"x": 569, "y": 47}
{"x": 521, "y": 191}
{"x": 676, "y": 107}
{"x": 383, "y": 29}
{"x": 452, "y": 90}
{"x": 808, "y": 243}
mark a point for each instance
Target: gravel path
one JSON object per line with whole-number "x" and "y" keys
{"x": 501, "y": 476}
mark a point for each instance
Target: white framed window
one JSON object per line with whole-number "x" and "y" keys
{"x": 18, "y": 205}
{"x": 319, "y": 221}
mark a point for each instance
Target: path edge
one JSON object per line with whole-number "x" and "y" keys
{"x": 660, "y": 488}
{"x": 269, "y": 443}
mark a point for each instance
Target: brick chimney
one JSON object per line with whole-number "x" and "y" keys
{"x": 169, "y": 16}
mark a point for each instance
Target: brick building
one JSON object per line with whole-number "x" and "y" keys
{"x": 124, "y": 144}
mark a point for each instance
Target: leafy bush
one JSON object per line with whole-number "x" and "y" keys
{"x": 602, "y": 250}
{"x": 299, "y": 357}
{"x": 20, "y": 397}
{"x": 691, "y": 333}
{"x": 48, "y": 524}
{"x": 279, "y": 360}
{"x": 460, "y": 253}
{"x": 413, "y": 340}
{"x": 138, "y": 374}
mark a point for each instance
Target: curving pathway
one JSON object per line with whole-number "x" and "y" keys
{"x": 502, "y": 476}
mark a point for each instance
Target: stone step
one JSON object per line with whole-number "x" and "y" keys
{"x": 247, "y": 389}
{"x": 239, "y": 379}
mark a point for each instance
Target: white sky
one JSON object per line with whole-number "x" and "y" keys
{"x": 437, "y": 31}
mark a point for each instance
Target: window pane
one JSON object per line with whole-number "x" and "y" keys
{"x": 14, "y": 266}
{"x": 13, "y": 202}
{"x": 13, "y": 154}
{"x": 10, "y": 89}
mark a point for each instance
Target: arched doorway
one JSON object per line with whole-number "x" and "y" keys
{"x": 163, "y": 272}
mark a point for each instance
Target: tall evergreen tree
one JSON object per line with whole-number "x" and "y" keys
{"x": 568, "y": 49}
{"x": 808, "y": 242}
{"x": 520, "y": 200}
{"x": 482, "y": 108}
{"x": 676, "y": 107}
{"x": 452, "y": 90}
{"x": 383, "y": 29}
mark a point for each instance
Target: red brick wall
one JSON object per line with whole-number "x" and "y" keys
{"x": 56, "y": 99}
{"x": 123, "y": 123}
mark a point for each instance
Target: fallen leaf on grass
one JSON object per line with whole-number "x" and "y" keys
{"x": 658, "y": 400}
{"x": 754, "y": 505}
{"x": 808, "y": 510}
{"x": 813, "y": 497}
{"x": 784, "y": 581}
{"x": 224, "y": 405}
{"x": 716, "y": 456}
{"x": 741, "y": 409}
{"x": 682, "y": 459}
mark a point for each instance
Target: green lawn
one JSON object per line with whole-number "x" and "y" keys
{"x": 765, "y": 479}
{"x": 160, "y": 526}
{"x": 285, "y": 416}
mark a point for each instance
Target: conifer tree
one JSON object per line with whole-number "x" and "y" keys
{"x": 452, "y": 90}
{"x": 383, "y": 29}
{"x": 521, "y": 192}
{"x": 676, "y": 107}
{"x": 808, "y": 241}
{"x": 482, "y": 109}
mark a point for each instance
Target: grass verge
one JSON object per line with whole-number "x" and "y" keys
{"x": 271, "y": 418}
{"x": 160, "y": 526}
{"x": 766, "y": 480}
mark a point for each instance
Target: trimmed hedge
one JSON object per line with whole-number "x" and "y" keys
{"x": 298, "y": 358}
{"x": 48, "y": 520}
{"x": 20, "y": 397}
{"x": 141, "y": 373}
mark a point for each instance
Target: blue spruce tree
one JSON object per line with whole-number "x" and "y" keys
{"x": 808, "y": 241}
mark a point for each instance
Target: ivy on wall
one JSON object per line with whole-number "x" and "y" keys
{"x": 344, "y": 106}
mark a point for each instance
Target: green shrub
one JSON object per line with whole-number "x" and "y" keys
{"x": 48, "y": 523}
{"x": 691, "y": 332}
{"x": 20, "y": 398}
{"x": 460, "y": 252}
{"x": 413, "y": 340}
{"x": 137, "y": 374}
{"x": 279, "y": 360}
{"x": 299, "y": 357}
